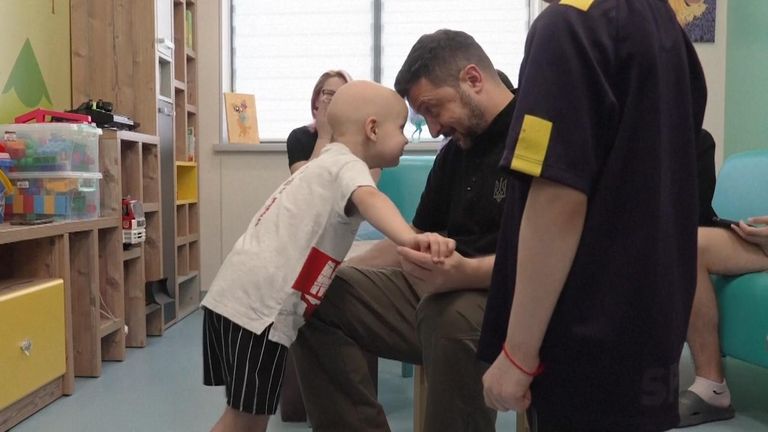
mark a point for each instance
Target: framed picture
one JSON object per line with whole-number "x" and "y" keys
{"x": 697, "y": 18}
{"x": 242, "y": 127}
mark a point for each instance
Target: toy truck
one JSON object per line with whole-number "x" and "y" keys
{"x": 134, "y": 223}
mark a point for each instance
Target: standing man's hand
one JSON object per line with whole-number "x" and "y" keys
{"x": 505, "y": 387}
{"x": 757, "y": 235}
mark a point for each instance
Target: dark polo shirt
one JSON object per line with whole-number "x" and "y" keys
{"x": 464, "y": 194}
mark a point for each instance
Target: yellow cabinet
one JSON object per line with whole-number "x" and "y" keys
{"x": 32, "y": 336}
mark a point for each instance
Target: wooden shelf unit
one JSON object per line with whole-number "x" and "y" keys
{"x": 86, "y": 256}
{"x": 111, "y": 292}
{"x": 139, "y": 178}
{"x": 186, "y": 268}
{"x": 104, "y": 285}
{"x": 131, "y": 253}
{"x": 115, "y": 57}
{"x": 146, "y": 75}
{"x": 151, "y": 207}
{"x": 109, "y": 326}
{"x": 186, "y": 182}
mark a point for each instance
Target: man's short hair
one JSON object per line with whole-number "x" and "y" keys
{"x": 439, "y": 57}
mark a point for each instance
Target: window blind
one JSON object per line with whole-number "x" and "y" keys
{"x": 281, "y": 48}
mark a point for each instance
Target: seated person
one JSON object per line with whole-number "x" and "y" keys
{"x": 705, "y": 170}
{"x": 303, "y": 140}
{"x": 719, "y": 252}
{"x": 278, "y": 271}
{"x": 742, "y": 249}
{"x": 392, "y": 302}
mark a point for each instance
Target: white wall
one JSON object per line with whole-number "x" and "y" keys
{"x": 233, "y": 185}
{"x": 209, "y": 113}
{"x": 247, "y": 180}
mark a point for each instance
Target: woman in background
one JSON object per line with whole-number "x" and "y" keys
{"x": 303, "y": 141}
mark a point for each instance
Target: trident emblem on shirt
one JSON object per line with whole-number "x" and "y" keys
{"x": 500, "y": 189}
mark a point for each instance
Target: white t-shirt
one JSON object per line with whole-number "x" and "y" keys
{"x": 279, "y": 269}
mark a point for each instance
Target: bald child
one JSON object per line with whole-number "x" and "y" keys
{"x": 278, "y": 270}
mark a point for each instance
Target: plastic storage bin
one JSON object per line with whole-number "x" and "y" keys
{"x": 5, "y": 184}
{"x": 61, "y": 195}
{"x": 44, "y": 147}
{"x": 5, "y": 163}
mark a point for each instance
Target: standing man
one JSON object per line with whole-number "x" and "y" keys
{"x": 596, "y": 262}
{"x": 398, "y": 304}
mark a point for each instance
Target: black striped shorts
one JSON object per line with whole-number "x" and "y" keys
{"x": 250, "y": 366}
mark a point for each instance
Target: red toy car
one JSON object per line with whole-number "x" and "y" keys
{"x": 134, "y": 223}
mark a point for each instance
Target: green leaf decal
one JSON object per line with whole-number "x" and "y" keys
{"x": 27, "y": 79}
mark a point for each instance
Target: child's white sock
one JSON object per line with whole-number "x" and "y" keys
{"x": 713, "y": 393}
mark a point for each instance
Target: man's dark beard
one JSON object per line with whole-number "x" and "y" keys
{"x": 475, "y": 121}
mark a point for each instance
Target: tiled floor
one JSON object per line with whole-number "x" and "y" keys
{"x": 158, "y": 389}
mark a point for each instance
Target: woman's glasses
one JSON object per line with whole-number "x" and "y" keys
{"x": 327, "y": 94}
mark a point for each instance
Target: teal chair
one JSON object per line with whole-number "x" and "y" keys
{"x": 741, "y": 192}
{"x": 403, "y": 184}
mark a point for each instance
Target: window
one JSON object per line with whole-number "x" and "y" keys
{"x": 279, "y": 49}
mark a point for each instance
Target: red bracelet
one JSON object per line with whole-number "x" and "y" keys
{"x": 539, "y": 369}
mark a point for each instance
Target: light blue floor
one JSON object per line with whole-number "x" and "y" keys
{"x": 158, "y": 389}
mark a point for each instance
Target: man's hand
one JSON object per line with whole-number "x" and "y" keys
{"x": 432, "y": 277}
{"x": 755, "y": 235}
{"x": 437, "y": 246}
{"x": 505, "y": 387}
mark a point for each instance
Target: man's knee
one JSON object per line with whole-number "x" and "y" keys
{"x": 457, "y": 314}
{"x": 336, "y": 296}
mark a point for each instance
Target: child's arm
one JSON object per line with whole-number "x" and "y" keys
{"x": 323, "y": 129}
{"x": 382, "y": 254}
{"x": 381, "y": 212}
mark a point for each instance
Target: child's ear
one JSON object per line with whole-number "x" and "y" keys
{"x": 370, "y": 128}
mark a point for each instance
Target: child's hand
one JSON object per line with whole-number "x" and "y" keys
{"x": 437, "y": 246}
{"x": 321, "y": 122}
